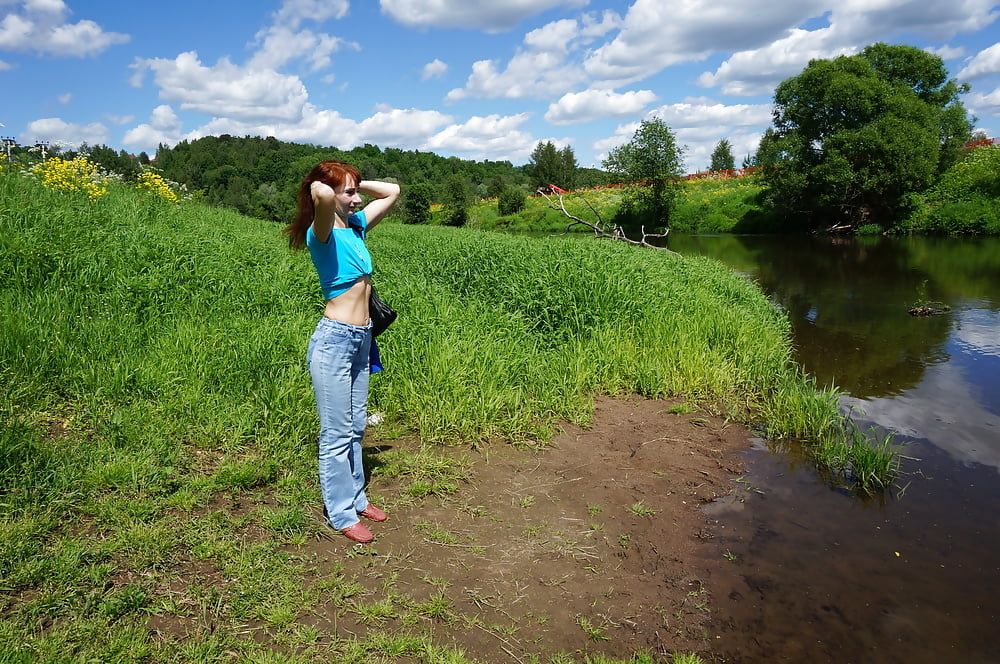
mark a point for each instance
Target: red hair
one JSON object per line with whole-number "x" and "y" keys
{"x": 332, "y": 173}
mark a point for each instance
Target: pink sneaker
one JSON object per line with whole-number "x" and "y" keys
{"x": 359, "y": 533}
{"x": 373, "y": 513}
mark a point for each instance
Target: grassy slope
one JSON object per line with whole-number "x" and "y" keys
{"x": 151, "y": 360}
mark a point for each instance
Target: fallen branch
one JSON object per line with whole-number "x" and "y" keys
{"x": 616, "y": 232}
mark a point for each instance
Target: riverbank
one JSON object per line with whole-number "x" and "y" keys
{"x": 593, "y": 545}
{"x": 153, "y": 381}
{"x": 704, "y": 205}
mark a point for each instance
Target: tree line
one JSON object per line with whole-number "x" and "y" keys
{"x": 260, "y": 176}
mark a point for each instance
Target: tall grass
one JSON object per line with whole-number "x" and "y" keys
{"x": 152, "y": 357}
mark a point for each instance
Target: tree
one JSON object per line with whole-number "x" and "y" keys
{"x": 456, "y": 201}
{"x": 567, "y": 172}
{"x": 545, "y": 166}
{"x": 417, "y": 204}
{"x": 511, "y": 201}
{"x": 855, "y": 136}
{"x": 653, "y": 160}
{"x": 722, "y": 157}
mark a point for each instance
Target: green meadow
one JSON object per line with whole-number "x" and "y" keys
{"x": 152, "y": 363}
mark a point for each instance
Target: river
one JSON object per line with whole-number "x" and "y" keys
{"x": 815, "y": 573}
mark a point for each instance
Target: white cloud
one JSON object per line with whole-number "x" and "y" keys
{"x": 434, "y": 69}
{"x": 984, "y": 104}
{"x": 118, "y": 119}
{"x": 279, "y": 45}
{"x": 756, "y": 72}
{"x": 163, "y": 127}
{"x": 699, "y": 123}
{"x": 4, "y": 66}
{"x": 65, "y": 98}
{"x": 404, "y": 128}
{"x": 984, "y": 63}
{"x": 400, "y": 127}
{"x": 657, "y": 34}
{"x": 489, "y": 15}
{"x": 293, "y": 12}
{"x": 493, "y": 136}
{"x": 541, "y": 66}
{"x": 225, "y": 90}
{"x": 575, "y": 107}
{"x": 58, "y": 132}
{"x": 41, "y": 27}
{"x": 852, "y": 24}
{"x": 947, "y": 52}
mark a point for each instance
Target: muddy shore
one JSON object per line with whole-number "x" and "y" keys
{"x": 595, "y": 544}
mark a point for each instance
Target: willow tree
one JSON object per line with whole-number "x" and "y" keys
{"x": 855, "y": 136}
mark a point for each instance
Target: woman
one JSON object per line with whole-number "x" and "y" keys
{"x": 333, "y": 225}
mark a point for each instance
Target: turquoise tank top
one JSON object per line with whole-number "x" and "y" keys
{"x": 343, "y": 258}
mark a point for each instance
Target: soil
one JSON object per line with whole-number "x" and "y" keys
{"x": 596, "y": 543}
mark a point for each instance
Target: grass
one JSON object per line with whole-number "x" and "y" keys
{"x": 704, "y": 205}
{"x": 152, "y": 378}
{"x": 641, "y": 509}
{"x": 593, "y": 632}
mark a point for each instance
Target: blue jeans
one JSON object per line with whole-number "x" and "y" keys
{"x": 338, "y": 364}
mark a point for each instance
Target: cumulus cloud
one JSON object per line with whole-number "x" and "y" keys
{"x": 225, "y": 89}
{"x": 65, "y": 98}
{"x": 704, "y": 112}
{"x": 434, "y": 69}
{"x": 278, "y": 45}
{"x": 293, "y": 12}
{"x": 984, "y": 63}
{"x": 984, "y": 103}
{"x": 400, "y": 127}
{"x": 39, "y": 26}
{"x": 59, "y": 132}
{"x": 851, "y": 25}
{"x": 656, "y": 34}
{"x": 541, "y": 67}
{"x": 699, "y": 123}
{"x": 576, "y": 107}
{"x": 405, "y": 128}
{"x": 163, "y": 127}
{"x": 487, "y": 15}
{"x": 492, "y": 136}
{"x": 947, "y": 52}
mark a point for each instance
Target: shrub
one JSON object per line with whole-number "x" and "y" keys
{"x": 511, "y": 201}
{"x": 966, "y": 201}
{"x": 417, "y": 205}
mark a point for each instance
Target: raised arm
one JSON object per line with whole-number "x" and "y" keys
{"x": 324, "y": 201}
{"x": 385, "y": 195}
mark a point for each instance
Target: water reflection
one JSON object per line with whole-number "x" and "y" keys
{"x": 820, "y": 575}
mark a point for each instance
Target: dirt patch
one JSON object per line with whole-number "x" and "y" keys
{"x": 594, "y": 544}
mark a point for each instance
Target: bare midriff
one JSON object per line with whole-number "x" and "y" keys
{"x": 351, "y": 306}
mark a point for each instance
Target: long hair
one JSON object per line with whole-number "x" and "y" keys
{"x": 332, "y": 173}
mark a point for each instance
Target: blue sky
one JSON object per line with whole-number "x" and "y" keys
{"x": 480, "y": 79}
